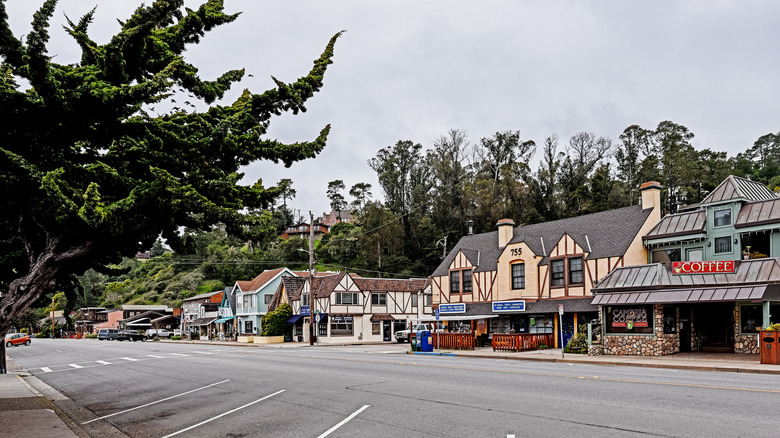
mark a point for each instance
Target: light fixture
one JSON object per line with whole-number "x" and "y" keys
{"x": 709, "y": 243}
{"x": 735, "y": 241}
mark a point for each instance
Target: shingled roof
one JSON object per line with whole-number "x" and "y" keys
{"x": 734, "y": 187}
{"x": 603, "y": 234}
{"x": 391, "y": 284}
{"x": 260, "y": 280}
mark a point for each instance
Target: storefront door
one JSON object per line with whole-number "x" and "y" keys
{"x": 387, "y": 334}
{"x": 568, "y": 329}
{"x": 714, "y": 326}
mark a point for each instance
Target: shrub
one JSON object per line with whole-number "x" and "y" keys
{"x": 275, "y": 323}
{"x": 773, "y": 327}
{"x": 175, "y": 338}
{"x": 24, "y": 330}
{"x": 92, "y": 336}
{"x": 542, "y": 347}
{"x": 579, "y": 342}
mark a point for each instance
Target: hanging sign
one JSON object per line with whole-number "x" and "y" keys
{"x": 704, "y": 267}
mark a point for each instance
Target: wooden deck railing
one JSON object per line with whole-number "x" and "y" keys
{"x": 453, "y": 341}
{"x": 518, "y": 342}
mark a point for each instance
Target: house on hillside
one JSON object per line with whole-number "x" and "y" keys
{"x": 301, "y": 230}
{"x": 337, "y": 216}
{"x": 712, "y": 280}
{"x": 349, "y": 308}
{"x": 88, "y": 317}
{"x": 515, "y": 279}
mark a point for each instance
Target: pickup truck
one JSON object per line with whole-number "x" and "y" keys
{"x": 159, "y": 333}
{"x": 402, "y": 336}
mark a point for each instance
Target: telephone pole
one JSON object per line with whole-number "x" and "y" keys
{"x": 312, "y": 303}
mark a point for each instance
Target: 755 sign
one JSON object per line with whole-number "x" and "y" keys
{"x": 516, "y": 251}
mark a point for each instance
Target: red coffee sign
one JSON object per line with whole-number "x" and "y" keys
{"x": 711, "y": 267}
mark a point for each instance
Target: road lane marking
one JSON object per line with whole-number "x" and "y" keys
{"x": 75, "y": 365}
{"x": 156, "y": 357}
{"x": 46, "y": 369}
{"x": 103, "y": 362}
{"x": 130, "y": 359}
{"x": 155, "y": 402}
{"x": 222, "y": 415}
{"x": 343, "y": 422}
{"x": 180, "y": 354}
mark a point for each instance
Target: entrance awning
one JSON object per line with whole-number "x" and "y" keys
{"x": 202, "y": 321}
{"x": 293, "y": 319}
{"x": 692, "y": 295}
{"x": 382, "y": 317}
{"x": 224, "y": 320}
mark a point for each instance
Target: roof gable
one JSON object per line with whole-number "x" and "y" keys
{"x": 758, "y": 213}
{"x": 736, "y": 188}
{"x": 692, "y": 222}
{"x": 261, "y": 280}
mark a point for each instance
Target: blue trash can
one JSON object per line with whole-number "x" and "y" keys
{"x": 425, "y": 341}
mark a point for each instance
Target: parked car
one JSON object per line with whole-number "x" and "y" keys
{"x": 159, "y": 333}
{"x": 12, "y": 339}
{"x": 402, "y": 336}
{"x": 130, "y": 335}
{"x": 107, "y": 334}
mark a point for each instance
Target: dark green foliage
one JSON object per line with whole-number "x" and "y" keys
{"x": 87, "y": 175}
{"x": 275, "y": 322}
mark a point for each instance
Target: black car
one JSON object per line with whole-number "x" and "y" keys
{"x": 130, "y": 335}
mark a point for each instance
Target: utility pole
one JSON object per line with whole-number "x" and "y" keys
{"x": 312, "y": 303}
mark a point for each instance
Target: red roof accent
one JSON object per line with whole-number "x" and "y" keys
{"x": 259, "y": 281}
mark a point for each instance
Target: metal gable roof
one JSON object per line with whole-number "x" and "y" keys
{"x": 734, "y": 188}
{"x": 758, "y": 213}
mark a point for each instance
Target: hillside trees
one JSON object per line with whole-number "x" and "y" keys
{"x": 88, "y": 175}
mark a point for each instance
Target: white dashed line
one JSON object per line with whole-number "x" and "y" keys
{"x": 343, "y": 422}
{"x": 156, "y": 357}
{"x": 180, "y": 354}
{"x": 103, "y": 362}
{"x": 74, "y": 365}
{"x": 46, "y": 369}
{"x": 130, "y": 359}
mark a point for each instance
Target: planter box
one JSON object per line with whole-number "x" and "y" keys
{"x": 269, "y": 339}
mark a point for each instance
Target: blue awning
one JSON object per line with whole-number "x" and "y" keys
{"x": 293, "y": 319}
{"x": 224, "y": 320}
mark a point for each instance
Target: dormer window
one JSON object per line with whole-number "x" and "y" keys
{"x": 723, "y": 218}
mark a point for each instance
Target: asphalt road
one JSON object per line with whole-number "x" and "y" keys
{"x": 156, "y": 389}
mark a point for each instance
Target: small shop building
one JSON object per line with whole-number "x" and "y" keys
{"x": 712, "y": 281}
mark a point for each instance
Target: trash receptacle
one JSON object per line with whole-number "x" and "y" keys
{"x": 413, "y": 340}
{"x": 768, "y": 344}
{"x": 425, "y": 340}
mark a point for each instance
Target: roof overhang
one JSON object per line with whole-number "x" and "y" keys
{"x": 757, "y": 293}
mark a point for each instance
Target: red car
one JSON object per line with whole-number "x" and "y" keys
{"x": 12, "y": 339}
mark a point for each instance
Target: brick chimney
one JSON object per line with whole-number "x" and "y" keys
{"x": 651, "y": 198}
{"x": 505, "y": 227}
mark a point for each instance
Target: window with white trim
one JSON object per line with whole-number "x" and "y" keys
{"x": 379, "y": 299}
{"x": 518, "y": 276}
{"x": 722, "y": 245}
{"x": 346, "y": 298}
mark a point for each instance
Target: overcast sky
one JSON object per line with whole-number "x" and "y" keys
{"x": 412, "y": 70}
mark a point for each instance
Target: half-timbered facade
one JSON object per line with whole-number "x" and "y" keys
{"x": 513, "y": 279}
{"x": 349, "y": 308}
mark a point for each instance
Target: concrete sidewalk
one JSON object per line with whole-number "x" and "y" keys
{"x": 26, "y": 412}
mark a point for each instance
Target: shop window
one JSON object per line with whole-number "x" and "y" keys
{"x": 670, "y": 320}
{"x": 518, "y": 276}
{"x": 378, "y": 299}
{"x": 341, "y": 326}
{"x": 666, "y": 255}
{"x": 322, "y": 328}
{"x": 722, "y": 217}
{"x": 695, "y": 255}
{"x": 722, "y": 245}
{"x": 540, "y": 324}
{"x": 750, "y": 318}
{"x": 467, "y": 281}
{"x": 455, "y": 282}
{"x": 346, "y": 298}
{"x": 247, "y": 326}
{"x": 575, "y": 271}
{"x": 630, "y": 319}
{"x": 399, "y": 325}
{"x": 375, "y": 328}
{"x": 557, "y": 276}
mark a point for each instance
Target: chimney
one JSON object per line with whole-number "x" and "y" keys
{"x": 505, "y": 227}
{"x": 471, "y": 227}
{"x": 651, "y": 198}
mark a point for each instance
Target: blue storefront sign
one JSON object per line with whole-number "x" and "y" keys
{"x": 452, "y": 308}
{"x": 305, "y": 310}
{"x": 509, "y": 306}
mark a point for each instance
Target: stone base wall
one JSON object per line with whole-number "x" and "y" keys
{"x": 657, "y": 344}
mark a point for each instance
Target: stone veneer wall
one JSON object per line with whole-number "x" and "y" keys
{"x": 746, "y": 344}
{"x": 657, "y": 344}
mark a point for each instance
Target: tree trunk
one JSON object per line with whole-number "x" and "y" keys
{"x": 3, "y": 367}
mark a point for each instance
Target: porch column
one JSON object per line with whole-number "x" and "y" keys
{"x": 766, "y": 314}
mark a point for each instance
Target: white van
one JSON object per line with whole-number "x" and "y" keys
{"x": 108, "y": 334}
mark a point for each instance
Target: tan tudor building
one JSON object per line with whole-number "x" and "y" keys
{"x": 512, "y": 280}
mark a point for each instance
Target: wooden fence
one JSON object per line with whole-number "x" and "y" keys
{"x": 453, "y": 341}
{"x": 517, "y": 342}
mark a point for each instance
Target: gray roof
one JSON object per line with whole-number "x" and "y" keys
{"x": 758, "y": 213}
{"x": 692, "y": 222}
{"x": 659, "y": 276}
{"x": 603, "y": 234}
{"x": 734, "y": 187}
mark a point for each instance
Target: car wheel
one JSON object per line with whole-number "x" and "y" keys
{"x": 27, "y": 342}
{"x": 143, "y": 339}
{"x": 9, "y": 344}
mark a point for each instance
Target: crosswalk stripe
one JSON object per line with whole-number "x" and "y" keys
{"x": 103, "y": 362}
{"x": 46, "y": 369}
{"x": 73, "y": 365}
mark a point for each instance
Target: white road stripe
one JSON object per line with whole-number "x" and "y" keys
{"x": 222, "y": 415}
{"x": 103, "y": 362}
{"x": 74, "y": 365}
{"x": 130, "y": 359}
{"x": 156, "y": 357}
{"x": 155, "y": 402}
{"x": 180, "y": 354}
{"x": 343, "y": 422}
{"x": 46, "y": 369}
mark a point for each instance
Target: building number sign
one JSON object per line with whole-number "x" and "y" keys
{"x": 516, "y": 251}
